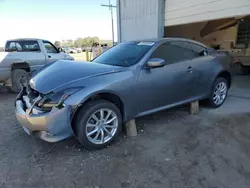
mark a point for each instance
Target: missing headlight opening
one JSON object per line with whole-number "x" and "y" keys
{"x": 56, "y": 99}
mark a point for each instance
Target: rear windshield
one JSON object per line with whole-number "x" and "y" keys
{"x": 22, "y": 46}
{"x": 124, "y": 54}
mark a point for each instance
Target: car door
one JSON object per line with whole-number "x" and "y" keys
{"x": 52, "y": 53}
{"x": 197, "y": 59}
{"x": 202, "y": 66}
{"x": 168, "y": 85}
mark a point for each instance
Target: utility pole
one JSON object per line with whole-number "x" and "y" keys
{"x": 112, "y": 21}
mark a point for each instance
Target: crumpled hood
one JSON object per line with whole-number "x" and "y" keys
{"x": 63, "y": 72}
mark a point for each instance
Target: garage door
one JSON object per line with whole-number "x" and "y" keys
{"x": 189, "y": 11}
{"x": 140, "y": 19}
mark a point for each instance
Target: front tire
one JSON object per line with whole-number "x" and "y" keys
{"x": 97, "y": 124}
{"x": 219, "y": 92}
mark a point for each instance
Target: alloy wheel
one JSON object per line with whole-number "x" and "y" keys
{"x": 220, "y": 93}
{"x": 101, "y": 126}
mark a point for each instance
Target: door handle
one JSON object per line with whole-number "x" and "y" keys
{"x": 49, "y": 56}
{"x": 190, "y": 69}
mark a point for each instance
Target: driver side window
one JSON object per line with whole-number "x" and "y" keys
{"x": 167, "y": 52}
{"x": 50, "y": 48}
{"x": 176, "y": 51}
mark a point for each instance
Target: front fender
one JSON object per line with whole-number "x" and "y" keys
{"x": 83, "y": 95}
{"x": 79, "y": 98}
{"x": 120, "y": 84}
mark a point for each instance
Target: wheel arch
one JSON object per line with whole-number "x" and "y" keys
{"x": 225, "y": 74}
{"x": 105, "y": 95}
{"x": 20, "y": 65}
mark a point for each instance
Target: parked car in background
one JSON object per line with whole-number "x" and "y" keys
{"x": 87, "y": 48}
{"x": 70, "y": 50}
{"x": 66, "y": 50}
{"x": 133, "y": 79}
{"x": 79, "y": 50}
{"x": 23, "y": 56}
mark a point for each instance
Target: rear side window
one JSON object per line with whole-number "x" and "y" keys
{"x": 13, "y": 46}
{"x": 22, "y": 46}
{"x": 198, "y": 49}
{"x": 189, "y": 50}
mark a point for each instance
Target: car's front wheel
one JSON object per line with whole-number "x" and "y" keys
{"x": 219, "y": 92}
{"x": 97, "y": 124}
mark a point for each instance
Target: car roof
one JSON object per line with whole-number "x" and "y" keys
{"x": 161, "y": 40}
{"x": 25, "y": 39}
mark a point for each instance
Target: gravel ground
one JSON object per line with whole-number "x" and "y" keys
{"x": 173, "y": 149}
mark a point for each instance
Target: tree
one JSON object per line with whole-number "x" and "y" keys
{"x": 70, "y": 43}
{"x": 79, "y": 42}
{"x": 57, "y": 43}
{"x": 95, "y": 39}
{"x": 88, "y": 41}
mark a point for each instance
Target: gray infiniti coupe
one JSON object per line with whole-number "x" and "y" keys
{"x": 91, "y": 100}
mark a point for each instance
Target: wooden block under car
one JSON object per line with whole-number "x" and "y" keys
{"x": 131, "y": 129}
{"x": 194, "y": 108}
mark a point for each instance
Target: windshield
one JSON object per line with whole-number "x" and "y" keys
{"x": 124, "y": 54}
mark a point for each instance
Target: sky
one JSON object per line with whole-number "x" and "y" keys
{"x": 55, "y": 19}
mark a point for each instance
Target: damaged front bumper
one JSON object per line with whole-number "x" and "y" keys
{"x": 52, "y": 126}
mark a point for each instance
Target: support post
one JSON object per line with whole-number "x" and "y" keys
{"x": 131, "y": 129}
{"x": 194, "y": 108}
{"x": 87, "y": 55}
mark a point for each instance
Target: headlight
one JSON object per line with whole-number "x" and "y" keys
{"x": 56, "y": 99}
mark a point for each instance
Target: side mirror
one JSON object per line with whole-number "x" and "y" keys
{"x": 156, "y": 62}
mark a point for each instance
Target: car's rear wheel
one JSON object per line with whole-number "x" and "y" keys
{"x": 219, "y": 92}
{"x": 97, "y": 124}
{"x": 19, "y": 77}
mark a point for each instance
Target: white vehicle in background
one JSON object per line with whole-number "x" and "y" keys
{"x": 73, "y": 51}
{"x": 70, "y": 50}
{"x": 79, "y": 50}
{"x": 66, "y": 50}
{"x": 23, "y": 56}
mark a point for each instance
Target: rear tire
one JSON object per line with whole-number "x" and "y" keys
{"x": 219, "y": 92}
{"x": 103, "y": 132}
{"x": 19, "y": 77}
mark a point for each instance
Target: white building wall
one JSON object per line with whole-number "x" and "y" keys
{"x": 140, "y": 19}
{"x": 189, "y": 11}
